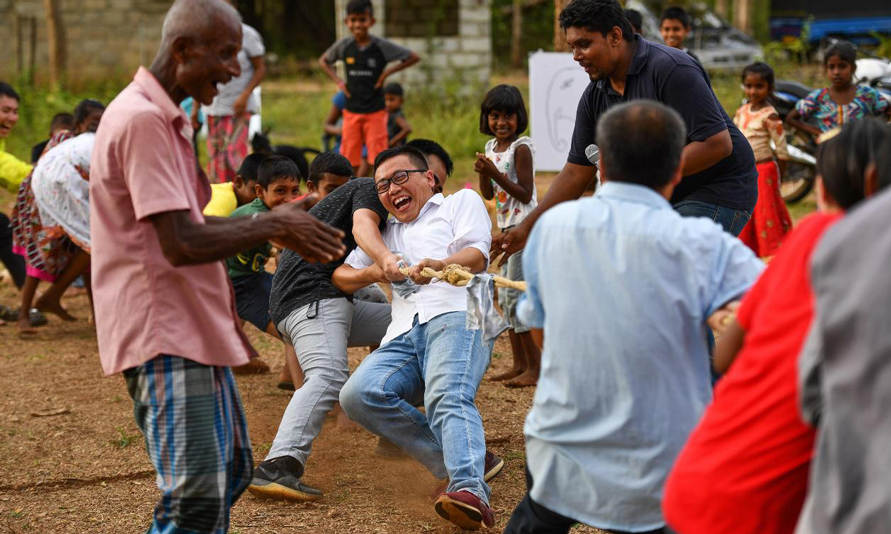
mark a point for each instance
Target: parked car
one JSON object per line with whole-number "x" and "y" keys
{"x": 716, "y": 43}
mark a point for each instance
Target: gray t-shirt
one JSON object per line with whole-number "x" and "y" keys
{"x": 251, "y": 47}
{"x": 364, "y": 65}
{"x": 844, "y": 376}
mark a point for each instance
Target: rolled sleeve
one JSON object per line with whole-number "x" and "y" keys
{"x": 687, "y": 92}
{"x": 734, "y": 271}
{"x": 358, "y": 259}
{"x": 471, "y": 224}
{"x": 151, "y": 175}
{"x": 530, "y": 310}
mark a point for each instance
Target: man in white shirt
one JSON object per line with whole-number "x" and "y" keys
{"x": 427, "y": 352}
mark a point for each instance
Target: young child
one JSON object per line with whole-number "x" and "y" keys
{"x": 761, "y": 124}
{"x": 398, "y": 127}
{"x": 50, "y": 255}
{"x": 327, "y": 172}
{"x": 675, "y": 27}
{"x": 623, "y": 287}
{"x": 507, "y": 173}
{"x": 61, "y": 121}
{"x": 745, "y": 467}
{"x": 277, "y": 182}
{"x": 843, "y": 101}
{"x": 227, "y": 196}
{"x": 365, "y": 59}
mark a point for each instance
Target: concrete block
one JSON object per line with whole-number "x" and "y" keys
{"x": 476, "y": 44}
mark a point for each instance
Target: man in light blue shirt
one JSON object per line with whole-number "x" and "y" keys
{"x": 623, "y": 287}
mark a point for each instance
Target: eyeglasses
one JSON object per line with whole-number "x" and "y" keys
{"x": 398, "y": 178}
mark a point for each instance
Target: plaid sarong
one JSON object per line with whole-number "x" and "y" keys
{"x": 227, "y": 146}
{"x": 196, "y": 437}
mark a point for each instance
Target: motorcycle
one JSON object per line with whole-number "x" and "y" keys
{"x": 801, "y": 170}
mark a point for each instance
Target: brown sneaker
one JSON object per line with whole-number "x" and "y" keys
{"x": 493, "y": 466}
{"x": 465, "y": 509}
{"x": 254, "y": 367}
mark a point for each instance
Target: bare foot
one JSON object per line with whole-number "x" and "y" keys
{"x": 525, "y": 380}
{"x": 25, "y": 328}
{"x": 513, "y": 373}
{"x": 54, "y": 307}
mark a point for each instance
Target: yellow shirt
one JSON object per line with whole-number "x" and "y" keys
{"x": 13, "y": 170}
{"x": 222, "y": 200}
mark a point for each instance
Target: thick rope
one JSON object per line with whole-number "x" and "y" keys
{"x": 459, "y": 276}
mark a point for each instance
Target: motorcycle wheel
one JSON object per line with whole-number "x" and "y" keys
{"x": 797, "y": 183}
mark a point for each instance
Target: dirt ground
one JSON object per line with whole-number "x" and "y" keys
{"x": 73, "y": 461}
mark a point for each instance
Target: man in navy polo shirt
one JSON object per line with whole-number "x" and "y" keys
{"x": 719, "y": 177}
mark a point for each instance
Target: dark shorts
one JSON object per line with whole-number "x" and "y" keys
{"x": 252, "y": 298}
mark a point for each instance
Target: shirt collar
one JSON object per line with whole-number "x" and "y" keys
{"x": 435, "y": 200}
{"x": 156, "y": 93}
{"x": 638, "y": 60}
{"x": 633, "y": 193}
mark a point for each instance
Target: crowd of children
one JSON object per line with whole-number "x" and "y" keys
{"x": 624, "y": 433}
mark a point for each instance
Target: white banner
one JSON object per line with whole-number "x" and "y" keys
{"x": 556, "y": 84}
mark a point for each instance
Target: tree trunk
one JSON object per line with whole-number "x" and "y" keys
{"x": 721, "y": 8}
{"x": 55, "y": 44}
{"x": 516, "y": 55}
{"x": 743, "y": 18}
{"x": 559, "y": 34}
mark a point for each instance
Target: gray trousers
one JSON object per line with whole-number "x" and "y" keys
{"x": 320, "y": 333}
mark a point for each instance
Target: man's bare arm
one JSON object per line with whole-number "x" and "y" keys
{"x": 568, "y": 185}
{"x": 366, "y": 224}
{"x": 186, "y": 242}
{"x": 700, "y": 155}
{"x": 349, "y": 279}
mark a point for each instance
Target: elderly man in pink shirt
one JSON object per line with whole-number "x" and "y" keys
{"x": 165, "y": 313}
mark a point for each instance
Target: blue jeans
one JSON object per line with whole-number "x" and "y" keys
{"x": 443, "y": 363}
{"x": 731, "y": 220}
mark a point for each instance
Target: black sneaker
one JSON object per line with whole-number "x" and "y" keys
{"x": 279, "y": 478}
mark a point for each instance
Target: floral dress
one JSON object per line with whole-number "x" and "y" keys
{"x": 47, "y": 250}
{"x": 867, "y": 102}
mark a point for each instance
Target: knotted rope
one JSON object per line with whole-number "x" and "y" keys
{"x": 459, "y": 276}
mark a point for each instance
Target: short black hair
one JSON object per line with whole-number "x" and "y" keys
{"x": 7, "y": 90}
{"x": 641, "y": 142}
{"x": 676, "y": 13}
{"x": 759, "y": 68}
{"x": 635, "y": 19}
{"x": 599, "y": 16}
{"x": 394, "y": 88}
{"x": 250, "y": 166}
{"x": 330, "y": 162}
{"x": 62, "y": 120}
{"x": 84, "y": 107}
{"x": 432, "y": 148}
{"x": 842, "y": 160}
{"x": 845, "y": 51}
{"x": 276, "y": 168}
{"x": 416, "y": 156}
{"x": 360, "y": 7}
{"x": 505, "y": 98}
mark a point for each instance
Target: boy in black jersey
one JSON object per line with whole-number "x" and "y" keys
{"x": 365, "y": 58}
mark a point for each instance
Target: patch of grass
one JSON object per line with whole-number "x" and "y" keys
{"x": 124, "y": 440}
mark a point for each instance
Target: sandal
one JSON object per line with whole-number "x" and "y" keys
{"x": 8, "y": 314}
{"x": 37, "y": 318}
